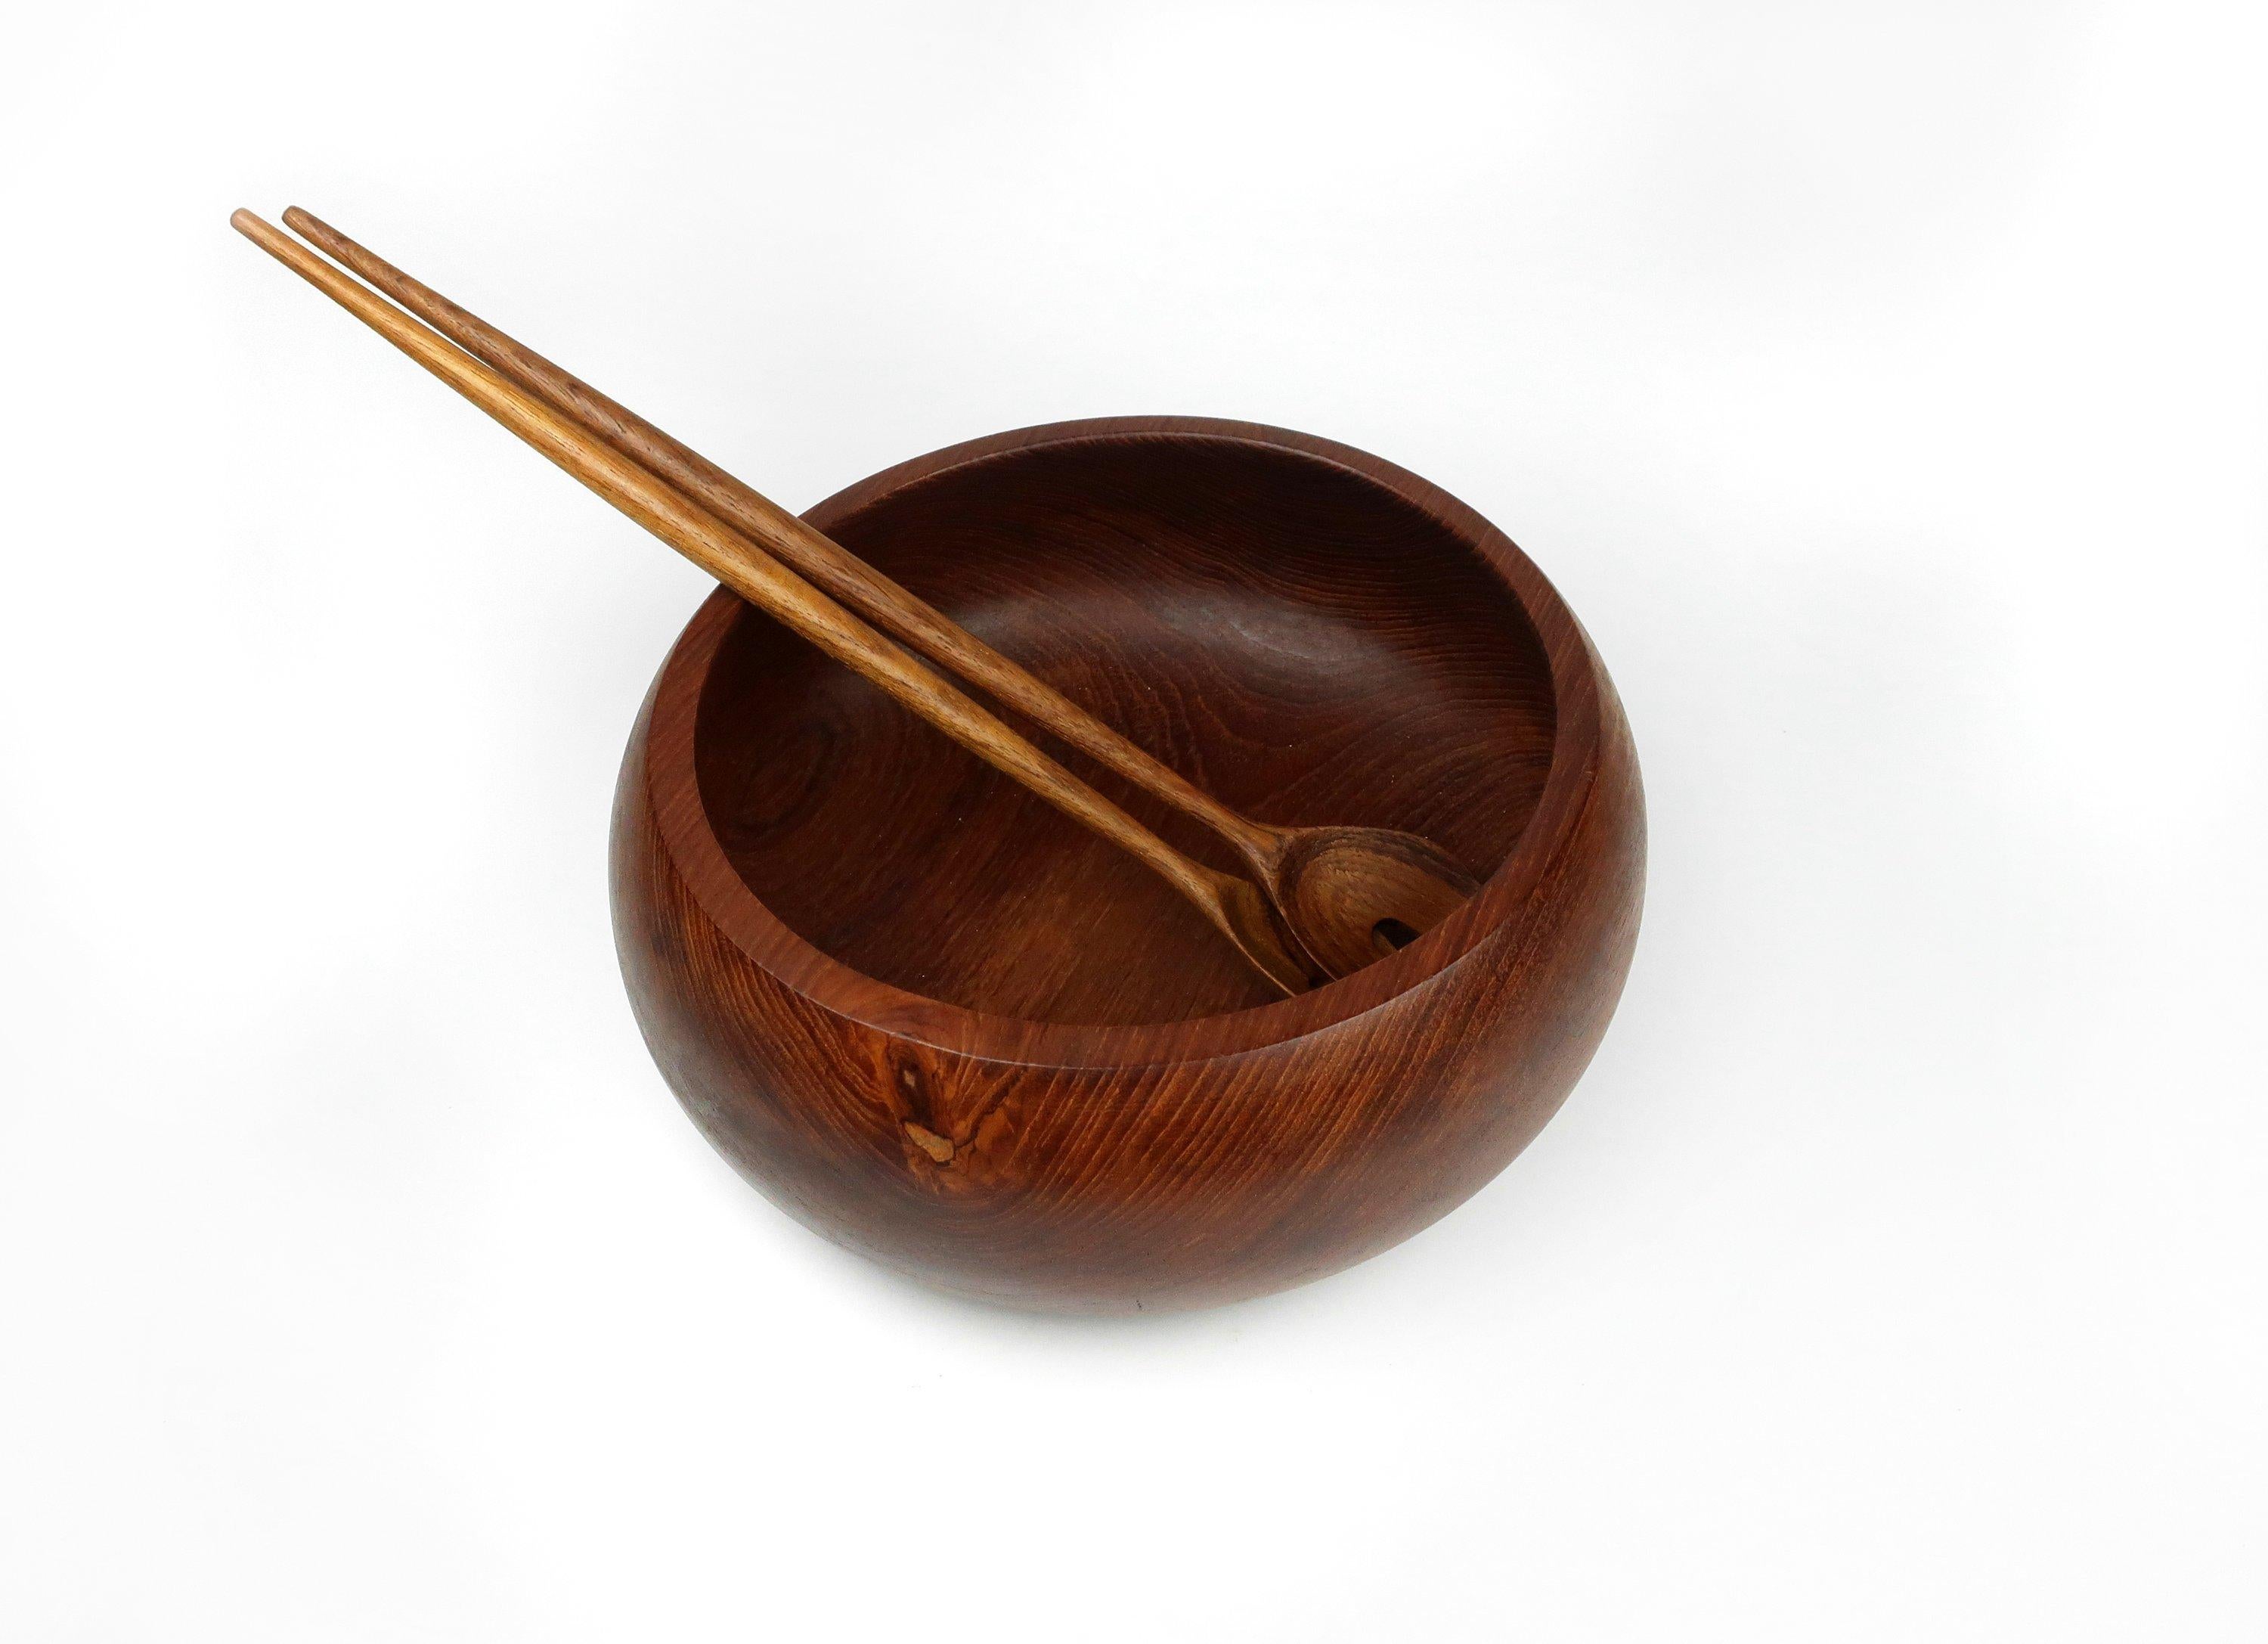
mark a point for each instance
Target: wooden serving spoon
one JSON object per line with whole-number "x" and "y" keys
{"x": 1349, "y": 895}
{"x": 1234, "y": 906}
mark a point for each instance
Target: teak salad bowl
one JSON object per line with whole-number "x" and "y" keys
{"x": 948, "y": 1028}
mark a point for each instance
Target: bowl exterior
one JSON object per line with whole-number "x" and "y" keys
{"x": 1144, "y": 1185}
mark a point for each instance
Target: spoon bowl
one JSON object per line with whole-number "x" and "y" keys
{"x": 1354, "y": 896}
{"x": 1260, "y": 932}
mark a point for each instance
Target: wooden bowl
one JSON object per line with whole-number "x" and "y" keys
{"x": 947, "y": 1028}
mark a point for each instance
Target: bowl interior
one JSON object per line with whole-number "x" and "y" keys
{"x": 1300, "y": 640}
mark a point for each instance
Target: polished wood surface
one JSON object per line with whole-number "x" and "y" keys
{"x": 1234, "y": 906}
{"x": 943, "y": 1029}
{"x": 1349, "y": 895}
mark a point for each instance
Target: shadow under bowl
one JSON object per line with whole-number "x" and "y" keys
{"x": 945, "y": 1026}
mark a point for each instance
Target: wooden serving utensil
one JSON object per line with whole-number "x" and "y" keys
{"x": 1233, "y": 905}
{"x": 1349, "y": 895}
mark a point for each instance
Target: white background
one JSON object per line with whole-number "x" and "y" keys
{"x": 1882, "y": 383}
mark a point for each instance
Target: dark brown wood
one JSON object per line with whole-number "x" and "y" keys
{"x": 943, "y": 1029}
{"x": 1344, "y": 896}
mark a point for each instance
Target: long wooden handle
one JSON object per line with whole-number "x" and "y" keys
{"x": 760, "y": 581}
{"x": 817, "y": 557}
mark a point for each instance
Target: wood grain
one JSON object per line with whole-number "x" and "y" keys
{"x": 943, "y": 1030}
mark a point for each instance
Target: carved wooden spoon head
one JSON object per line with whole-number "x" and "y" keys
{"x": 1355, "y": 895}
{"x": 1251, "y": 921}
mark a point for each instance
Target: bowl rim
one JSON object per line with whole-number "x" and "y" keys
{"x": 672, "y": 792}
